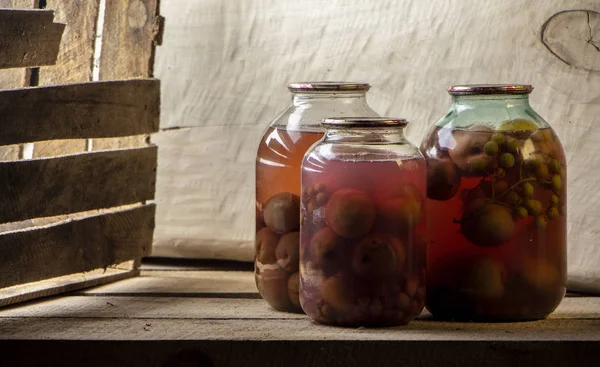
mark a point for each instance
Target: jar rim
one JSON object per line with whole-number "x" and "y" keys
{"x": 474, "y": 89}
{"x": 328, "y": 86}
{"x": 364, "y": 122}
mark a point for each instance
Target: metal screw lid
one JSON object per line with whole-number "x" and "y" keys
{"x": 316, "y": 87}
{"x": 364, "y": 122}
{"x": 472, "y": 89}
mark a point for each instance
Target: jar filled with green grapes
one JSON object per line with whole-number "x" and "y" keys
{"x": 496, "y": 207}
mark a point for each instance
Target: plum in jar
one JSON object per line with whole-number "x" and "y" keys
{"x": 278, "y": 163}
{"x": 362, "y": 258}
{"x": 496, "y": 207}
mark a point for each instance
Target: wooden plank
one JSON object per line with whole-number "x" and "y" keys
{"x": 76, "y": 54}
{"x": 88, "y": 110}
{"x": 165, "y": 306}
{"x": 76, "y": 246}
{"x": 63, "y": 284}
{"x": 136, "y": 141}
{"x": 131, "y": 329}
{"x": 55, "y": 148}
{"x": 190, "y": 283}
{"x": 15, "y": 78}
{"x": 130, "y": 29}
{"x": 28, "y": 38}
{"x": 48, "y": 187}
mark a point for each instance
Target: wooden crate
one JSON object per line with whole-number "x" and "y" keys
{"x": 77, "y": 171}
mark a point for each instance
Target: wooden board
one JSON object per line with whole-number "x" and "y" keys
{"x": 131, "y": 26}
{"x": 217, "y": 284}
{"x": 76, "y": 246}
{"x": 14, "y": 78}
{"x": 137, "y": 323}
{"x": 76, "y": 54}
{"x": 48, "y": 187}
{"x": 63, "y": 284}
{"x": 28, "y": 38}
{"x": 55, "y": 148}
{"x": 88, "y": 110}
{"x": 410, "y": 51}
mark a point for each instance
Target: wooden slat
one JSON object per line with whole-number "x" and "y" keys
{"x": 127, "y": 328}
{"x": 76, "y": 54}
{"x": 63, "y": 284}
{"x": 76, "y": 246}
{"x": 28, "y": 38}
{"x": 136, "y": 141}
{"x": 15, "y": 78}
{"x": 69, "y": 184}
{"x": 88, "y": 110}
{"x": 130, "y": 28}
{"x": 187, "y": 283}
{"x": 54, "y": 148}
{"x": 163, "y": 306}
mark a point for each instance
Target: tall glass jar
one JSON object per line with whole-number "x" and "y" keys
{"x": 496, "y": 208}
{"x": 362, "y": 254}
{"x": 278, "y": 163}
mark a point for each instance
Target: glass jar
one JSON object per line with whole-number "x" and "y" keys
{"x": 496, "y": 208}
{"x": 278, "y": 162}
{"x": 362, "y": 254}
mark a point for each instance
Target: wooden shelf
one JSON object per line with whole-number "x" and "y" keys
{"x": 173, "y": 316}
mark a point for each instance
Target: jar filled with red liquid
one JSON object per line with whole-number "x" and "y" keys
{"x": 278, "y": 162}
{"x": 496, "y": 208}
{"x": 362, "y": 251}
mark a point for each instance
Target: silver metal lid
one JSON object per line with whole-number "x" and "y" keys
{"x": 364, "y": 122}
{"x": 316, "y": 87}
{"x": 471, "y": 89}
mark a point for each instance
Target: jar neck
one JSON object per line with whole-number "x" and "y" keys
{"x": 491, "y": 100}
{"x": 370, "y": 135}
{"x": 303, "y": 99}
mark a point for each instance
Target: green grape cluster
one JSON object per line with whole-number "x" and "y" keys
{"x": 539, "y": 171}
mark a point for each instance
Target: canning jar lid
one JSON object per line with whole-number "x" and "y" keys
{"x": 329, "y": 87}
{"x": 470, "y": 89}
{"x": 364, "y": 122}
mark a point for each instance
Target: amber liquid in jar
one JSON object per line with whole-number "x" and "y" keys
{"x": 497, "y": 223}
{"x": 278, "y": 165}
{"x": 362, "y": 241}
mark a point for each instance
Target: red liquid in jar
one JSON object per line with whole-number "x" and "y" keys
{"x": 497, "y": 238}
{"x": 278, "y": 164}
{"x": 362, "y": 241}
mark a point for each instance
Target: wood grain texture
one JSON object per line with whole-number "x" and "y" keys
{"x": 55, "y": 148}
{"x": 28, "y": 38}
{"x": 48, "y": 187}
{"x": 190, "y": 283}
{"x": 130, "y": 28}
{"x": 63, "y": 284}
{"x": 76, "y": 246}
{"x": 14, "y": 78}
{"x": 136, "y": 141}
{"x": 76, "y": 53}
{"x": 411, "y": 51}
{"x": 87, "y": 110}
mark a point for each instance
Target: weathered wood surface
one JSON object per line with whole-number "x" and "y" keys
{"x": 130, "y": 30}
{"x": 87, "y": 110}
{"x": 231, "y": 83}
{"x": 75, "y": 246}
{"x": 76, "y": 183}
{"x": 150, "y": 325}
{"x": 76, "y": 55}
{"x": 63, "y": 284}
{"x": 28, "y": 38}
{"x": 14, "y": 78}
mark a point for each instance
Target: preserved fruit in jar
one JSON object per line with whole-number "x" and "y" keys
{"x": 362, "y": 225}
{"x": 496, "y": 208}
{"x": 278, "y": 163}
